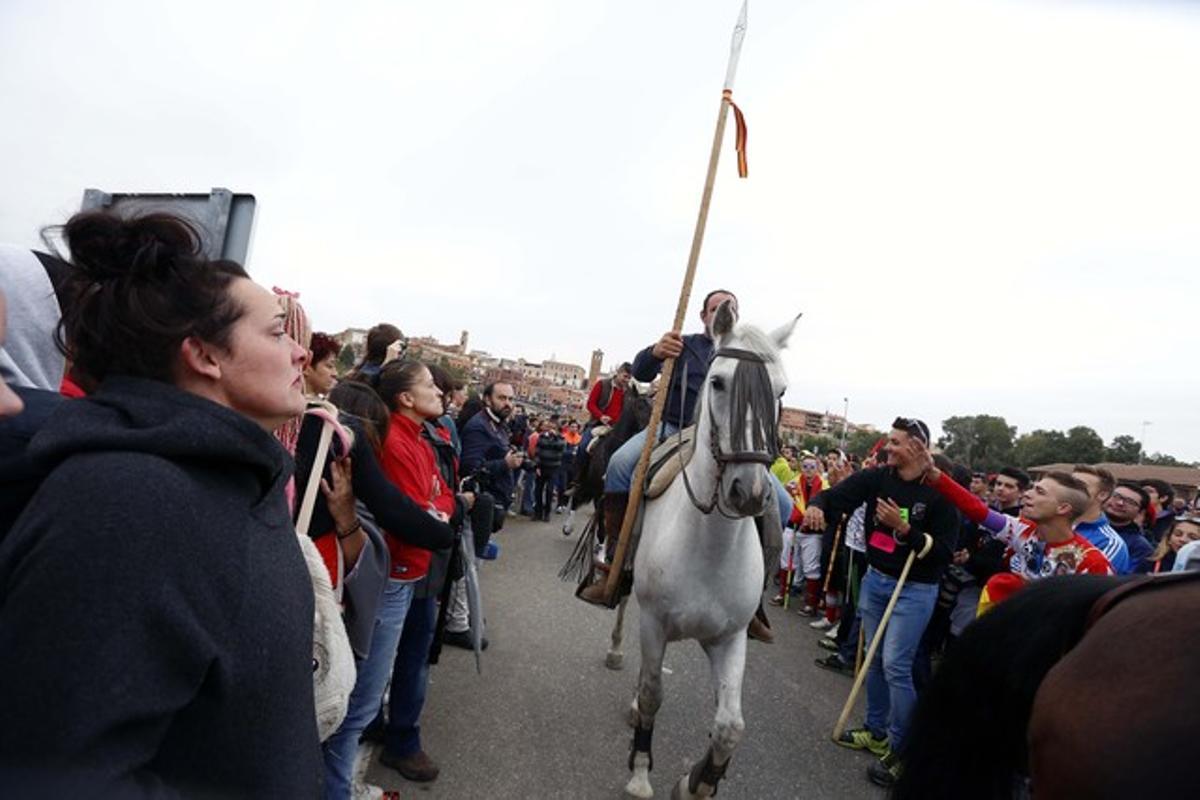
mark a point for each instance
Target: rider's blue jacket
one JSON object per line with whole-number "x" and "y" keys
{"x": 697, "y": 353}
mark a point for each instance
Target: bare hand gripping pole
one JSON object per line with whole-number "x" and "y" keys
{"x": 660, "y": 399}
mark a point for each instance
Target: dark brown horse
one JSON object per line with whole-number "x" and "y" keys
{"x": 587, "y": 484}
{"x": 1068, "y": 689}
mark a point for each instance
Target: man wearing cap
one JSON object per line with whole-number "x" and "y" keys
{"x": 903, "y": 517}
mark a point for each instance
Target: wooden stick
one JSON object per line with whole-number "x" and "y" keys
{"x": 837, "y": 539}
{"x": 875, "y": 640}
{"x": 636, "y": 488}
{"x": 858, "y": 659}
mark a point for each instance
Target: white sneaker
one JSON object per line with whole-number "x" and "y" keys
{"x": 832, "y": 632}
{"x": 821, "y": 624}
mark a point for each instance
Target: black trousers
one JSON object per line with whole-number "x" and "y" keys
{"x": 543, "y": 490}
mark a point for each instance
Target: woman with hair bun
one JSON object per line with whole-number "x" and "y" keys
{"x": 156, "y": 616}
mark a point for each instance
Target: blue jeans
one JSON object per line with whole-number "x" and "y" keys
{"x": 529, "y": 480}
{"x": 618, "y": 477}
{"x": 373, "y": 673}
{"x": 890, "y": 693}
{"x": 410, "y": 677}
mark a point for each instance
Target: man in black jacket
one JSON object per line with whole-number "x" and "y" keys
{"x": 550, "y": 449}
{"x": 903, "y": 519}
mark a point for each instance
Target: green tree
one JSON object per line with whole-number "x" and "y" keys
{"x": 1124, "y": 450}
{"x": 345, "y": 359}
{"x": 818, "y": 442}
{"x": 1164, "y": 460}
{"x": 981, "y": 441}
{"x": 1039, "y": 447}
{"x": 860, "y": 443}
{"x": 1083, "y": 446}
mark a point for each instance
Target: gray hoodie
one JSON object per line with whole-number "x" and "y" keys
{"x": 29, "y": 357}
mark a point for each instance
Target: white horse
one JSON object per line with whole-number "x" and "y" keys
{"x": 699, "y": 567}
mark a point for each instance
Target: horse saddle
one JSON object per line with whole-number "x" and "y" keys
{"x": 668, "y": 459}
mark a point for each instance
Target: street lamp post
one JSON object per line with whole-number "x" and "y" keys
{"x": 1142, "y": 449}
{"x": 845, "y": 421}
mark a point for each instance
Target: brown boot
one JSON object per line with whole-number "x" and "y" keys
{"x": 594, "y": 592}
{"x": 612, "y": 509}
{"x": 758, "y": 630}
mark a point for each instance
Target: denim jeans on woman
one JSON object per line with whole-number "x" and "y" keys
{"x": 373, "y": 673}
{"x": 410, "y": 679}
{"x": 890, "y": 692}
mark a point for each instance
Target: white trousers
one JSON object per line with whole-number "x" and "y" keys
{"x": 806, "y": 563}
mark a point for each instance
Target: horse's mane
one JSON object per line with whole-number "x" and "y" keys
{"x": 627, "y": 424}
{"x": 968, "y": 733}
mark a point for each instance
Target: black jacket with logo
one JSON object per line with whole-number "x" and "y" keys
{"x": 928, "y": 513}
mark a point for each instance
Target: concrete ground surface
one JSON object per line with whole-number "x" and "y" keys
{"x": 547, "y": 719}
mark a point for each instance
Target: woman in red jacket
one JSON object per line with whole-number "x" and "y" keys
{"x": 408, "y": 461}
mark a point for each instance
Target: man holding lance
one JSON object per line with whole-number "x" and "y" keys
{"x": 693, "y": 353}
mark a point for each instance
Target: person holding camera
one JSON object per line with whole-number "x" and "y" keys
{"x": 486, "y": 450}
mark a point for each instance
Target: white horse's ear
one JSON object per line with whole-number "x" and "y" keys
{"x": 781, "y": 334}
{"x": 724, "y": 320}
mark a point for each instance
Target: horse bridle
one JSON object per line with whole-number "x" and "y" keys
{"x": 714, "y": 440}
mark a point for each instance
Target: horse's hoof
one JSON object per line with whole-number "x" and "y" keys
{"x": 614, "y": 661}
{"x": 639, "y": 786}
{"x": 568, "y": 529}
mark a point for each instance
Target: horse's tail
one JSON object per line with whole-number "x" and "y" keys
{"x": 968, "y": 734}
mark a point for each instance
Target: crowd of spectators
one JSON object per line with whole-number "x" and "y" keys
{"x": 177, "y": 451}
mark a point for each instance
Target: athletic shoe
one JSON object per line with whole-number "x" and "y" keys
{"x": 886, "y": 771}
{"x": 828, "y": 644}
{"x": 863, "y": 739}
{"x": 833, "y": 662}
{"x": 777, "y": 600}
{"x": 807, "y": 611}
{"x": 821, "y": 624}
{"x": 832, "y": 632}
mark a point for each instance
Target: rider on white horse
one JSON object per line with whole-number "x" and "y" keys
{"x": 694, "y": 353}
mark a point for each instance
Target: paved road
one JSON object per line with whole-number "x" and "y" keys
{"x": 546, "y": 719}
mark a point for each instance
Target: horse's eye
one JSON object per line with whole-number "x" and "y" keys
{"x": 718, "y": 383}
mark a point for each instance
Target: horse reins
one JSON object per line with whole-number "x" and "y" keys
{"x": 766, "y": 458}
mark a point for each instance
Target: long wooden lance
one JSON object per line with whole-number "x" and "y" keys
{"x": 636, "y": 489}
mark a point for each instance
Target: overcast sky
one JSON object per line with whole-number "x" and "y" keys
{"x": 980, "y": 207}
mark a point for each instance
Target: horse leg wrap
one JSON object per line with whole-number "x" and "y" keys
{"x": 641, "y": 744}
{"x": 706, "y": 772}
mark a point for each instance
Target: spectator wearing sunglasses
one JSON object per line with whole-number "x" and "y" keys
{"x": 903, "y": 517}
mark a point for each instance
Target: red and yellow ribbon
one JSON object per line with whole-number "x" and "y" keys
{"x": 739, "y": 141}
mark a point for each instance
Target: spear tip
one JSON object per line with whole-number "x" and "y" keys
{"x": 735, "y": 47}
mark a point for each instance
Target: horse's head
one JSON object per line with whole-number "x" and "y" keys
{"x": 740, "y": 405}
